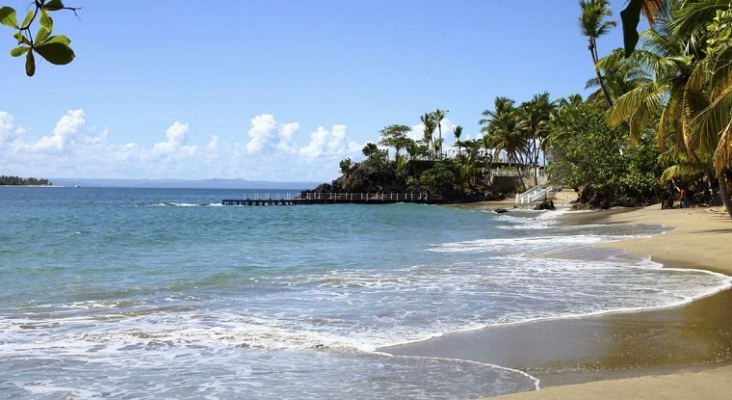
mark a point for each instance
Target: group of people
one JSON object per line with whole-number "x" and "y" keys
{"x": 671, "y": 189}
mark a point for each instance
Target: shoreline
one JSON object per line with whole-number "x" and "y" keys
{"x": 699, "y": 239}
{"x": 635, "y": 354}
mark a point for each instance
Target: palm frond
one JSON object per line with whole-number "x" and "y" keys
{"x": 711, "y": 123}
{"x": 723, "y": 153}
{"x": 651, "y": 8}
{"x": 721, "y": 71}
{"x": 681, "y": 170}
{"x": 693, "y": 17}
{"x": 644, "y": 100}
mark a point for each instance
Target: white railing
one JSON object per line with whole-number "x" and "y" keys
{"x": 536, "y": 193}
{"x": 524, "y": 172}
{"x": 348, "y": 197}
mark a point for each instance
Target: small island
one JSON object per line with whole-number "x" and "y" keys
{"x": 6, "y": 180}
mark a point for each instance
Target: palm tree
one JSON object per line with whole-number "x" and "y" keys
{"x": 662, "y": 101}
{"x": 689, "y": 100}
{"x": 458, "y": 131}
{"x": 437, "y": 116}
{"x": 534, "y": 118}
{"x": 564, "y": 120}
{"x": 502, "y": 132}
{"x": 429, "y": 129}
{"x": 593, "y": 25}
{"x": 711, "y": 128}
{"x": 621, "y": 76}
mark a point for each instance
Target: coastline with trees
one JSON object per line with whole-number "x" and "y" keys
{"x": 6, "y": 180}
{"x": 658, "y": 120}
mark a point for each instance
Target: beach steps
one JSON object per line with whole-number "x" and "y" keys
{"x": 333, "y": 198}
{"x": 539, "y": 192}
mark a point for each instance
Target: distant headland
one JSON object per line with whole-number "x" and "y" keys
{"x": 6, "y": 180}
{"x": 184, "y": 183}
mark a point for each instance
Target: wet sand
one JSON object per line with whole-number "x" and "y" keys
{"x": 676, "y": 353}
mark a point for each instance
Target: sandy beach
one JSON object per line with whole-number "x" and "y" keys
{"x": 678, "y": 352}
{"x": 702, "y": 239}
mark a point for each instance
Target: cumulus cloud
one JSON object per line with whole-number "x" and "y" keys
{"x": 270, "y": 151}
{"x": 9, "y": 133}
{"x": 329, "y": 143}
{"x": 267, "y": 136}
{"x": 65, "y": 134}
{"x": 177, "y": 135}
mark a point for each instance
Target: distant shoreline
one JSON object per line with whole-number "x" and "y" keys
{"x": 29, "y": 186}
{"x": 235, "y": 184}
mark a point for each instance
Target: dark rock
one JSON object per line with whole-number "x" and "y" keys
{"x": 500, "y": 210}
{"x": 545, "y": 205}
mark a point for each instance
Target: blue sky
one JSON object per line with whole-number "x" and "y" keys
{"x": 276, "y": 90}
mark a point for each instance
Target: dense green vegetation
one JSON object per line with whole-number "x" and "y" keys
{"x": 661, "y": 117}
{"x": 18, "y": 181}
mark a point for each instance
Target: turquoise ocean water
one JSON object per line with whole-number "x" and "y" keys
{"x": 165, "y": 294}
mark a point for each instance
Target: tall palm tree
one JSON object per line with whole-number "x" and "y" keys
{"x": 689, "y": 101}
{"x": 534, "y": 118}
{"x": 502, "y": 132}
{"x": 437, "y": 116}
{"x": 621, "y": 76}
{"x": 429, "y": 128}
{"x": 565, "y": 120}
{"x": 458, "y": 131}
{"x": 593, "y": 24}
{"x": 662, "y": 101}
{"x": 711, "y": 128}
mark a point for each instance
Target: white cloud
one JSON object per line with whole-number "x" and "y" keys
{"x": 70, "y": 123}
{"x": 270, "y": 152}
{"x": 266, "y": 135}
{"x": 329, "y": 143}
{"x": 9, "y": 133}
{"x": 213, "y": 143}
{"x": 177, "y": 135}
{"x": 64, "y": 135}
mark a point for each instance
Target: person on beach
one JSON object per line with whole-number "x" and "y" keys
{"x": 682, "y": 198}
{"x": 669, "y": 200}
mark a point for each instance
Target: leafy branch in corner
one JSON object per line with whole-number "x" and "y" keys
{"x": 54, "y": 49}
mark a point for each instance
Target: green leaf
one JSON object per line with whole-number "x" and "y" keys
{"x": 630, "y": 17}
{"x": 30, "y": 64}
{"x": 56, "y": 53}
{"x": 58, "y": 39}
{"x": 19, "y": 51}
{"x": 7, "y": 17}
{"x": 28, "y": 19}
{"x": 53, "y": 5}
{"x": 46, "y": 20}
{"x": 42, "y": 34}
{"x": 18, "y": 35}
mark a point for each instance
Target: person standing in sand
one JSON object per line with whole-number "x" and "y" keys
{"x": 669, "y": 202}
{"x": 683, "y": 201}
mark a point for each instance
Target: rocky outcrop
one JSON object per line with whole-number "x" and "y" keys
{"x": 547, "y": 204}
{"x": 614, "y": 196}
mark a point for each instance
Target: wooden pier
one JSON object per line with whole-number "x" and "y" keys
{"x": 333, "y": 198}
